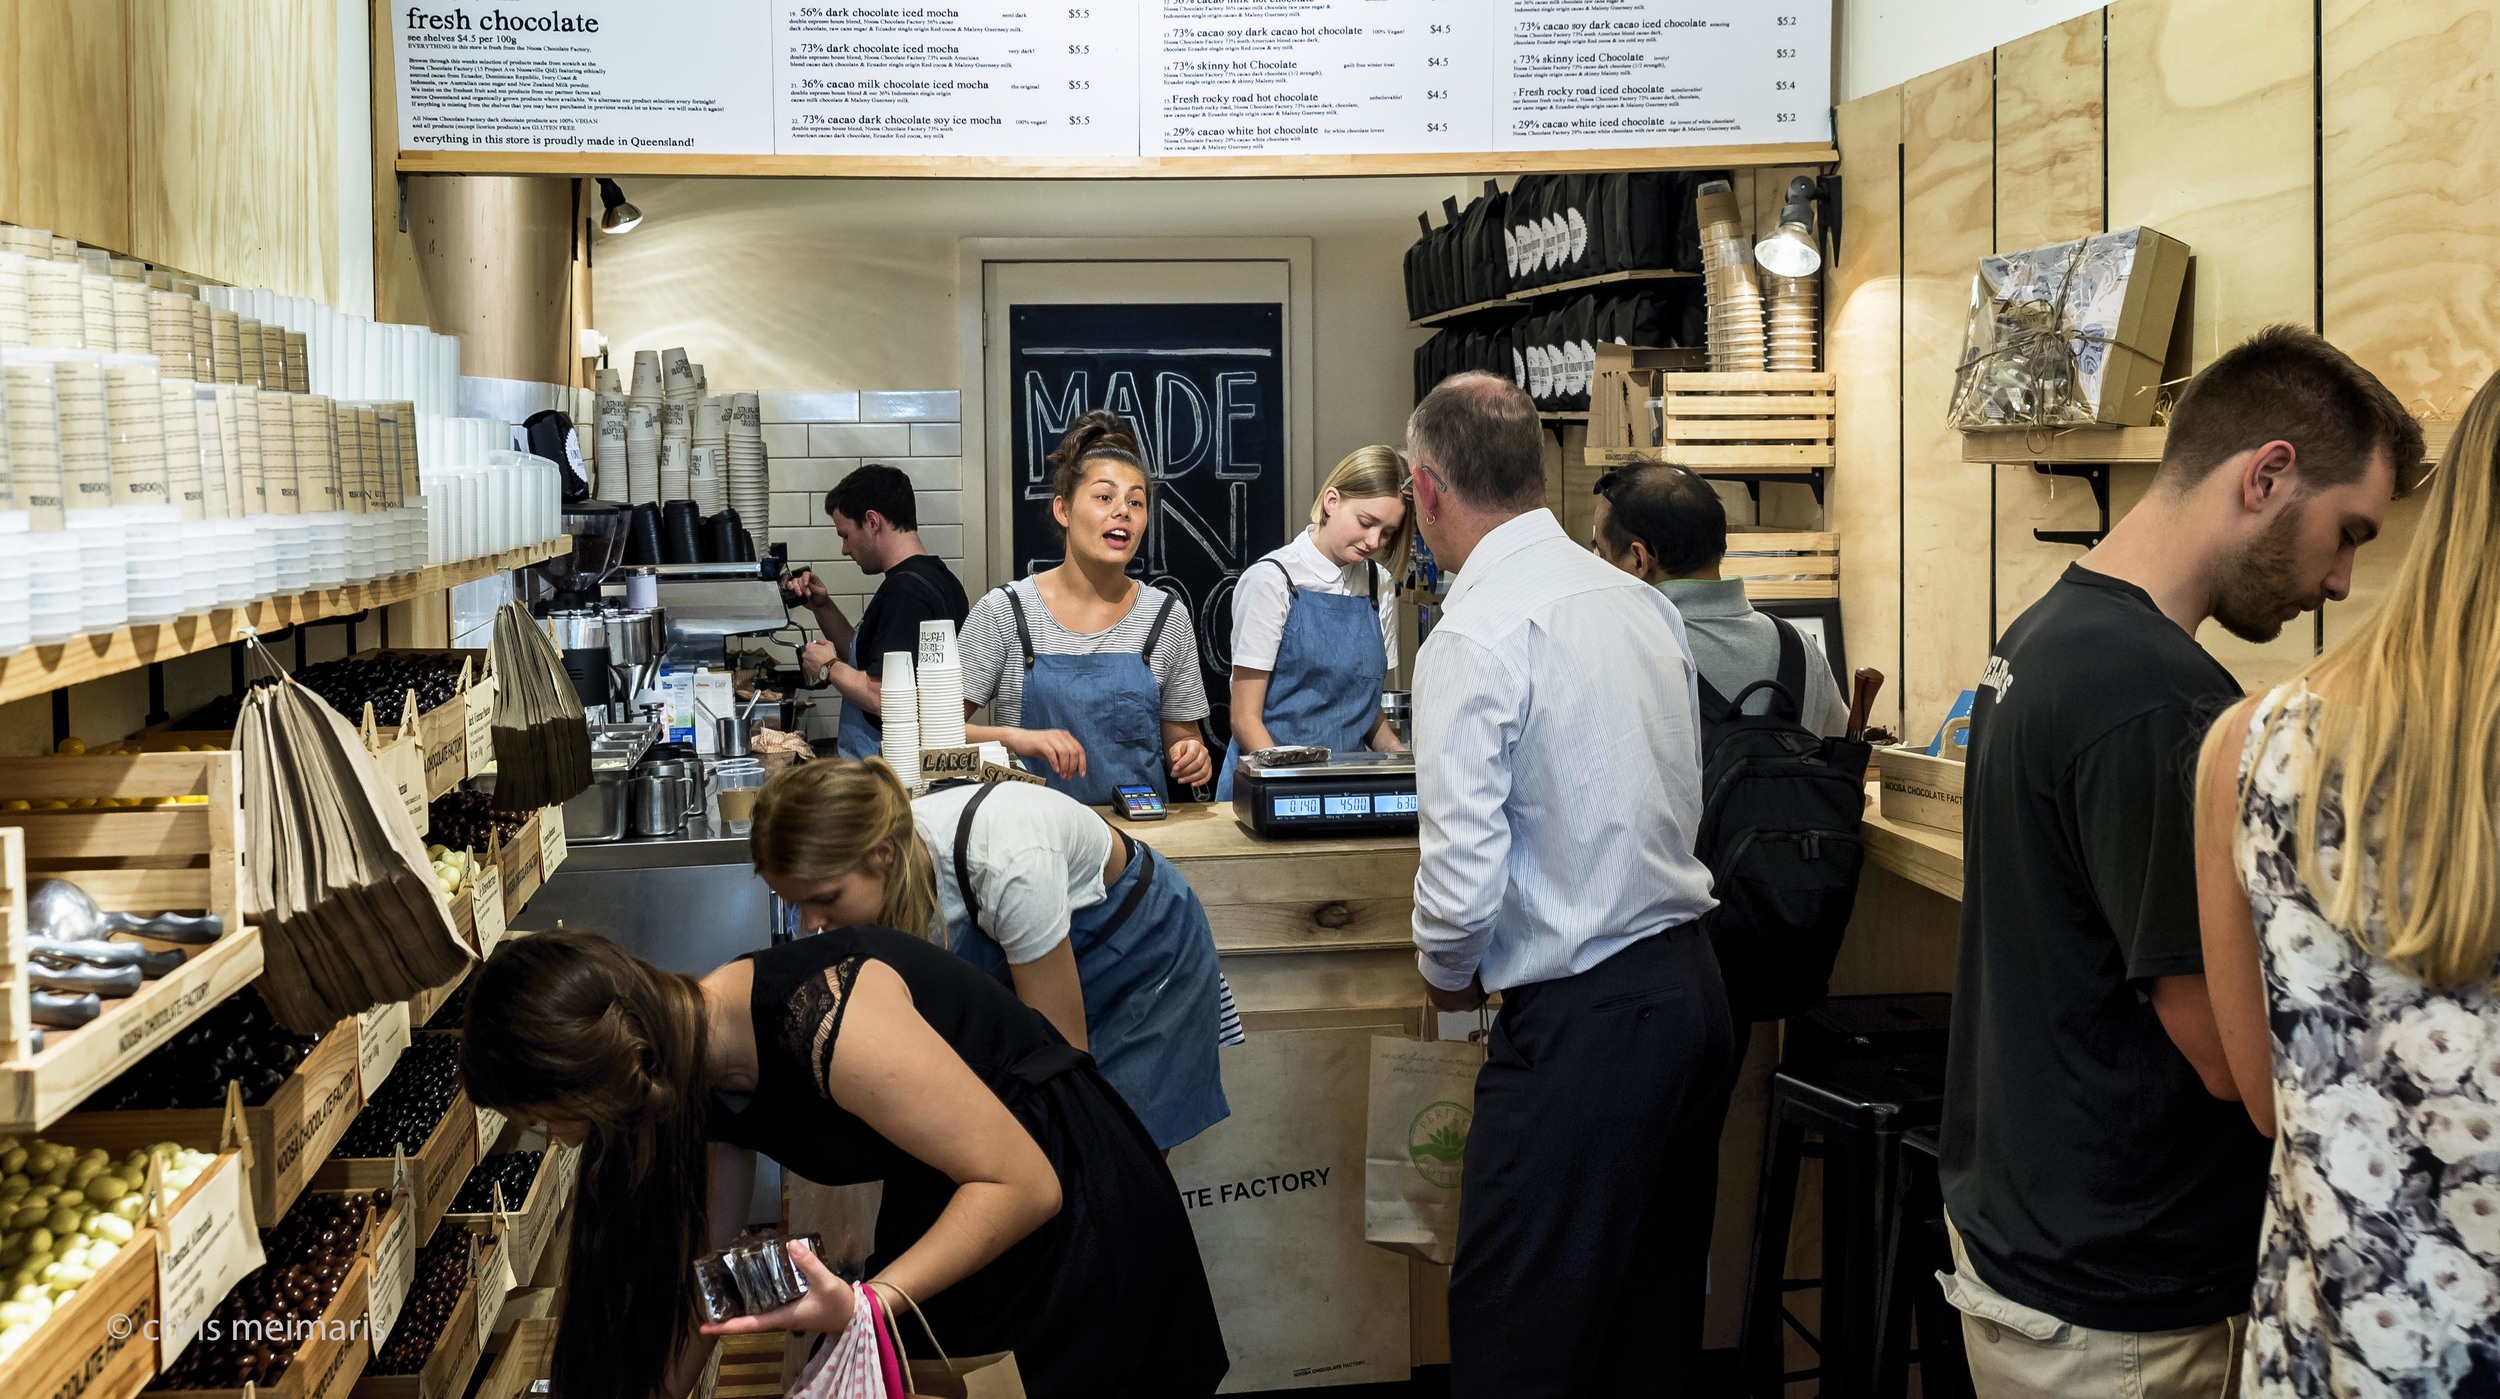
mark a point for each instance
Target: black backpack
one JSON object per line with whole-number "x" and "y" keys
{"x": 1780, "y": 814}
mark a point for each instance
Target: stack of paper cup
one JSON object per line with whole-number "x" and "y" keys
{"x": 610, "y": 475}
{"x": 900, "y": 703}
{"x": 642, "y": 430}
{"x": 941, "y": 687}
{"x": 708, "y": 463}
{"x": 17, "y": 622}
{"x": 15, "y": 332}
{"x": 749, "y": 487}
{"x": 1731, "y": 285}
{"x": 677, "y": 412}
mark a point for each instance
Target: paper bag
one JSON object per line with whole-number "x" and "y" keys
{"x": 1423, "y": 1099}
{"x": 971, "y": 1377}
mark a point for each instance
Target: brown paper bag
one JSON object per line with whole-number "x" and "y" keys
{"x": 1423, "y": 1099}
{"x": 972, "y": 1377}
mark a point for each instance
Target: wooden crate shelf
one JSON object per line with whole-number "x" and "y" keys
{"x": 41, "y": 669}
{"x": 145, "y": 833}
{"x": 1740, "y": 424}
{"x": 1784, "y": 564}
{"x": 2117, "y": 446}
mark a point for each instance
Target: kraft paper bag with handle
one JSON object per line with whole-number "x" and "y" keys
{"x": 1423, "y": 1099}
{"x": 951, "y": 1377}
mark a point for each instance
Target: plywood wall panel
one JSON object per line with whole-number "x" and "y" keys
{"x": 1948, "y": 208}
{"x": 1862, "y": 330}
{"x": 2049, "y": 153}
{"x": 2411, "y": 206}
{"x": 65, "y": 118}
{"x": 234, "y": 130}
{"x": 2212, "y": 140}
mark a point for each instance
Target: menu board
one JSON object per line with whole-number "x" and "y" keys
{"x": 1110, "y": 80}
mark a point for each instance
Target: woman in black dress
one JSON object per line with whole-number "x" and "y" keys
{"x": 1025, "y": 1206}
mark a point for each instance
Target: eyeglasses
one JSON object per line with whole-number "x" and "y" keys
{"x": 1439, "y": 481}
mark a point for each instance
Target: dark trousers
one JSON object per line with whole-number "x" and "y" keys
{"x": 1592, "y": 1167}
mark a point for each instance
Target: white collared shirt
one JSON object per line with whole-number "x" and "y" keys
{"x": 1558, "y": 757}
{"x": 1261, "y": 600}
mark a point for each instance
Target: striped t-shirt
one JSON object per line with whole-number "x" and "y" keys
{"x": 994, "y": 662}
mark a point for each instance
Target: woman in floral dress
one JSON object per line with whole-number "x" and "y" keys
{"x": 2355, "y": 995}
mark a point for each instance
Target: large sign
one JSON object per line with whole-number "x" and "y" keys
{"x": 1112, "y": 79}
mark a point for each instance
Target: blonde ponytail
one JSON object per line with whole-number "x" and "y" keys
{"x": 823, "y": 820}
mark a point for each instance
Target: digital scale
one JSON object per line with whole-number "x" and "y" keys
{"x": 1350, "y": 794}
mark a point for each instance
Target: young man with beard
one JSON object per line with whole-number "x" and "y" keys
{"x": 2103, "y": 1197}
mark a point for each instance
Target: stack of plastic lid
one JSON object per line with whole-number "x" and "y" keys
{"x": 368, "y": 554}
{"x": 54, "y": 596}
{"x": 291, "y": 536}
{"x": 327, "y": 545}
{"x": 103, "y": 585}
{"x": 158, "y": 590}
{"x": 16, "y": 581}
{"x": 262, "y": 532}
{"x": 236, "y": 585}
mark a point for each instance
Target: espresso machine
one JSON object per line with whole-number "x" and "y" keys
{"x": 612, "y": 648}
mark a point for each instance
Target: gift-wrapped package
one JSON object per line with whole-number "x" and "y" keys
{"x": 2070, "y": 335}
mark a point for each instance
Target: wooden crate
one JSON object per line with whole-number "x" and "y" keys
{"x": 528, "y": 1356}
{"x": 389, "y": 1249}
{"x": 1754, "y": 424}
{"x": 1921, "y": 790}
{"x": 13, "y": 1022}
{"x": 436, "y": 1170}
{"x": 522, "y": 863}
{"x": 1782, "y": 564}
{"x": 289, "y": 1136}
{"x": 445, "y": 1374}
{"x": 328, "y": 1365}
{"x": 97, "y": 1344}
{"x": 444, "y": 729}
{"x": 527, "y": 1224}
{"x": 400, "y": 759}
{"x": 143, "y": 832}
{"x": 423, "y": 1005}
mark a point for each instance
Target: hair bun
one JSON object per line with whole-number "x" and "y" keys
{"x": 1098, "y": 430}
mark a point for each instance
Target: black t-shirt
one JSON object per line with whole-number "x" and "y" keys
{"x": 2089, "y": 1172}
{"x": 919, "y": 589}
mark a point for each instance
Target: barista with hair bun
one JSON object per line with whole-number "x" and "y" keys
{"x": 1088, "y": 672}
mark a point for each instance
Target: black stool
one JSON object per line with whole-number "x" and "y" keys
{"x": 1914, "y": 1252}
{"x": 1857, "y": 1103}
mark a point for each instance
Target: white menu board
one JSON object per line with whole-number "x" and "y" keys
{"x": 607, "y": 75}
{"x": 1317, "y": 77}
{"x": 1111, "y": 80}
{"x": 938, "y": 79}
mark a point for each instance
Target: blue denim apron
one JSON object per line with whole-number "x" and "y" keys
{"x": 1146, "y": 960}
{"x": 1325, "y": 688}
{"x": 1108, "y": 701}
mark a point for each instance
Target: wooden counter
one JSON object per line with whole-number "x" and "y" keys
{"x": 1301, "y": 924}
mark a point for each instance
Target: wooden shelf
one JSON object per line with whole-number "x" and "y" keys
{"x": 1603, "y": 279}
{"x": 1460, "y": 313}
{"x": 2116, "y": 446}
{"x": 1519, "y": 301}
{"x": 1579, "y": 417}
{"x": 41, "y": 669}
{"x": 37, "y": 1091}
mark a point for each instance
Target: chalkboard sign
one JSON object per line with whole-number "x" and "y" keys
{"x": 1202, "y": 387}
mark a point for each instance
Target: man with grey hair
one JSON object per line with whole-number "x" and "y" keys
{"x": 1559, "y": 764}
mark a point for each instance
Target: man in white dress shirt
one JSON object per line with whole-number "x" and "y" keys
{"x": 1559, "y": 766}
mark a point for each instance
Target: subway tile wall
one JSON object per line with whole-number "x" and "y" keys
{"x": 813, "y": 438}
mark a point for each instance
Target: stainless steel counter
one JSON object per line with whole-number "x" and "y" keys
{"x": 687, "y": 902}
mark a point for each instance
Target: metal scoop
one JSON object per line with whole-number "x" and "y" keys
{"x": 61, "y": 911}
